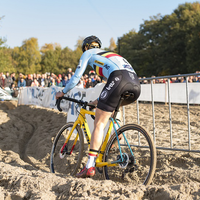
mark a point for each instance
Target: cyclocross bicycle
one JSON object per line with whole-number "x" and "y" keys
{"x": 127, "y": 155}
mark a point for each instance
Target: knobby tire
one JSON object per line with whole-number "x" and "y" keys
{"x": 69, "y": 164}
{"x": 142, "y": 169}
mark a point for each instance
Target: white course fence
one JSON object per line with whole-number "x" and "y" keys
{"x": 183, "y": 93}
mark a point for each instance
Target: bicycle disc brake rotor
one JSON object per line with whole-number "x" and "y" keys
{"x": 125, "y": 160}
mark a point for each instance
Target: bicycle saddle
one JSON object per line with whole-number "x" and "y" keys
{"x": 127, "y": 94}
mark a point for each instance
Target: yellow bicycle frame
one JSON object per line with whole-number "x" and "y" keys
{"x": 82, "y": 122}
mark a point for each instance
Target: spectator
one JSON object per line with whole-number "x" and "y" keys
{"x": 85, "y": 81}
{"x": 198, "y": 77}
{"x": 48, "y": 81}
{"x": 59, "y": 81}
{"x": 69, "y": 76}
{"x": 52, "y": 75}
{"x": 14, "y": 90}
{"x": 93, "y": 78}
{"x": 190, "y": 79}
{"x": 96, "y": 80}
{"x": 21, "y": 83}
{"x": 69, "y": 72}
{"x": 92, "y": 72}
{"x": 29, "y": 80}
{"x": 160, "y": 80}
{"x": 181, "y": 79}
{"x": 35, "y": 83}
{"x": 53, "y": 82}
{"x": 195, "y": 79}
{"x": 63, "y": 76}
{"x": 153, "y": 80}
{"x": 39, "y": 79}
{"x": 174, "y": 80}
{"x": 89, "y": 83}
{"x": 13, "y": 77}
{"x": 144, "y": 81}
{"x": 34, "y": 76}
{"x": 19, "y": 77}
{"x": 65, "y": 81}
{"x": 3, "y": 81}
{"x": 42, "y": 80}
{"x": 9, "y": 80}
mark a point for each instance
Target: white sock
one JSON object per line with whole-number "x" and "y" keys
{"x": 91, "y": 162}
{"x": 91, "y": 159}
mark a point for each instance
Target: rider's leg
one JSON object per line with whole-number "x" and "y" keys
{"x": 101, "y": 119}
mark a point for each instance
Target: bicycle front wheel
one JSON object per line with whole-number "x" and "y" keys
{"x": 138, "y": 164}
{"x": 66, "y": 158}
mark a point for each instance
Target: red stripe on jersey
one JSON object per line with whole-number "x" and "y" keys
{"x": 111, "y": 55}
{"x": 100, "y": 71}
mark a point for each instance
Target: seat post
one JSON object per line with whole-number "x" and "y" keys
{"x": 117, "y": 108}
{"x": 125, "y": 95}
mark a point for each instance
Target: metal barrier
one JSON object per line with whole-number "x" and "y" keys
{"x": 169, "y": 104}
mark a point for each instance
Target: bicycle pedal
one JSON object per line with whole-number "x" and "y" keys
{"x": 100, "y": 170}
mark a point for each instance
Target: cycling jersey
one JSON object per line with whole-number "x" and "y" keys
{"x": 103, "y": 62}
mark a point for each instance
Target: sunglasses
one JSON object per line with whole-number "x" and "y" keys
{"x": 93, "y": 46}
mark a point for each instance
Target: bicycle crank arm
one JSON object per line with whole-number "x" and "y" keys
{"x": 108, "y": 164}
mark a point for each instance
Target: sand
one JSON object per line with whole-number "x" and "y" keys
{"x": 26, "y": 135}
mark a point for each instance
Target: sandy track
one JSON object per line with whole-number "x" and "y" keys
{"x": 26, "y": 134}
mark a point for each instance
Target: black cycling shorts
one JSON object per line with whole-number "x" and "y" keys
{"x": 118, "y": 82}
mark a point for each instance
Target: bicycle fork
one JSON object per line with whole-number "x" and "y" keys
{"x": 64, "y": 148}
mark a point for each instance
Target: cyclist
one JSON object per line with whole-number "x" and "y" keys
{"x": 121, "y": 77}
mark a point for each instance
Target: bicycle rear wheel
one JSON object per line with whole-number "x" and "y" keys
{"x": 136, "y": 169}
{"x": 66, "y": 159}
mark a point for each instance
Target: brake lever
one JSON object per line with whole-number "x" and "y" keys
{"x": 58, "y": 104}
{"x": 91, "y": 106}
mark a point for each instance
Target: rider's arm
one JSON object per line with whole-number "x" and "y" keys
{"x": 79, "y": 72}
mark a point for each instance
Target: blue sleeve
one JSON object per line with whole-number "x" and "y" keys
{"x": 79, "y": 72}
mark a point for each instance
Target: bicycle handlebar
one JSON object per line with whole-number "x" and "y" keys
{"x": 81, "y": 102}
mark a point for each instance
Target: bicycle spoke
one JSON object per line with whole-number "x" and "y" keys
{"x": 137, "y": 168}
{"x": 66, "y": 159}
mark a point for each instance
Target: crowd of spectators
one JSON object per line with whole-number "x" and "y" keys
{"x": 13, "y": 83}
{"x": 178, "y": 79}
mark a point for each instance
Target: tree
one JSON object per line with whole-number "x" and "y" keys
{"x": 113, "y": 45}
{"x": 165, "y": 44}
{"x": 6, "y": 60}
{"x": 48, "y": 47}
{"x": 50, "y": 60}
{"x": 5, "y": 56}
{"x": 28, "y": 57}
{"x": 70, "y": 58}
